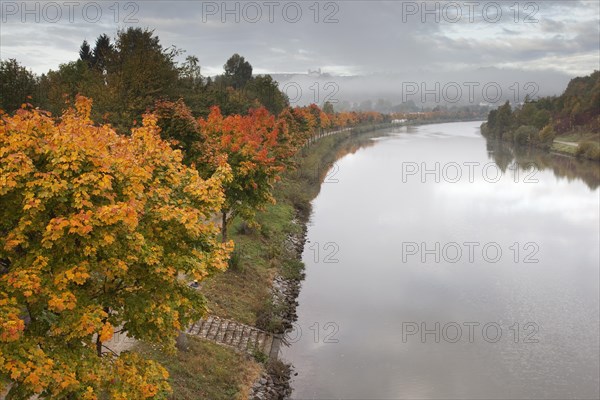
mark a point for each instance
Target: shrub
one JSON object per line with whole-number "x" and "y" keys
{"x": 547, "y": 134}
{"x": 583, "y": 148}
{"x": 525, "y": 134}
{"x": 590, "y": 150}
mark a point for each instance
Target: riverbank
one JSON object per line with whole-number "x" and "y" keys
{"x": 261, "y": 285}
{"x": 580, "y": 145}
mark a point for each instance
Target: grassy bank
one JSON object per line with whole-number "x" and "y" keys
{"x": 578, "y": 144}
{"x": 206, "y": 371}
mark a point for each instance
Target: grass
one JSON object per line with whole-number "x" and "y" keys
{"x": 242, "y": 292}
{"x": 587, "y": 145}
{"x": 206, "y": 371}
{"x": 564, "y": 148}
{"x": 576, "y": 137}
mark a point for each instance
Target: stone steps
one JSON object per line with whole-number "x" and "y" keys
{"x": 244, "y": 338}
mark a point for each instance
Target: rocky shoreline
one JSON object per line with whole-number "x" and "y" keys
{"x": 275, "y": 382}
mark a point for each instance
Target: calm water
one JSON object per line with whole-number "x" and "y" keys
{"x": 509, "y": 327}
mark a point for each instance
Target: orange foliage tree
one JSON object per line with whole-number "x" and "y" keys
{"x": 98, "y": 232}
{"x": 251, "y": 146}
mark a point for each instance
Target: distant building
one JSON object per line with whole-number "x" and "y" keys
{"x": 315, "y": 73}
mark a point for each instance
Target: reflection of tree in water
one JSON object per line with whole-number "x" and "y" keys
{"x": 500, "y": 153}
{"x": 356, "y": 143}
{"x": 505, "y": 154}
{"x": 316, "y": 169}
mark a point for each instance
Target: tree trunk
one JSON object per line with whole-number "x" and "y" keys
{"x": 224, "y": 227}
{"x": 98, "y": 346}
{"x": 98, "y": 341}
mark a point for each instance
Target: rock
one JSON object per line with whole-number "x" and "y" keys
{"x": 182, "y": 342}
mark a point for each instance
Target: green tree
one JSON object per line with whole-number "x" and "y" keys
{"x": 328, "y": 108}
{"x": 546, "y": 136}
{"x": 229, "y": 100}
{"x": 62, "y": 86}
{"x": 503, "y": 120}
{"x": 189, "y": 73}
{"x": 134, "y": 73}
{"x": 525, "y": 134}
{"x": 85, "y": 54}
{"x": 238, "y": 71}
{"x": 17, "y": 85}
{"x": 193, "y": 86}
{"x": 75, "y": 78}
{"x": 102, "y": 54}
{"x": 541, "y": 119}
{"x": 180, "y": 128}
{"x": 265, "y": 91}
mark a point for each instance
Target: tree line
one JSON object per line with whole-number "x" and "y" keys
{"x": 538, "y": 122}
{"x": 126, "y": 76}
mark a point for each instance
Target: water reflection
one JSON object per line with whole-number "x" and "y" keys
{"x": 505, "y": 154}
{"x": 367, "y": 290}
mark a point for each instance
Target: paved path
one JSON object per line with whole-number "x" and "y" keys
{"x": 313, "y": 139}
{"x": 567, "y": 143}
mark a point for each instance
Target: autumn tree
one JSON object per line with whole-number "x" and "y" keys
{"x": 249, "y": 144}
{"x": 296, "y": 132}
{"x": 306, "y": 120}
{"x": 98, "y": 232}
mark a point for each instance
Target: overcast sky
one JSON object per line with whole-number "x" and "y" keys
{"x": 557, "y": 38}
